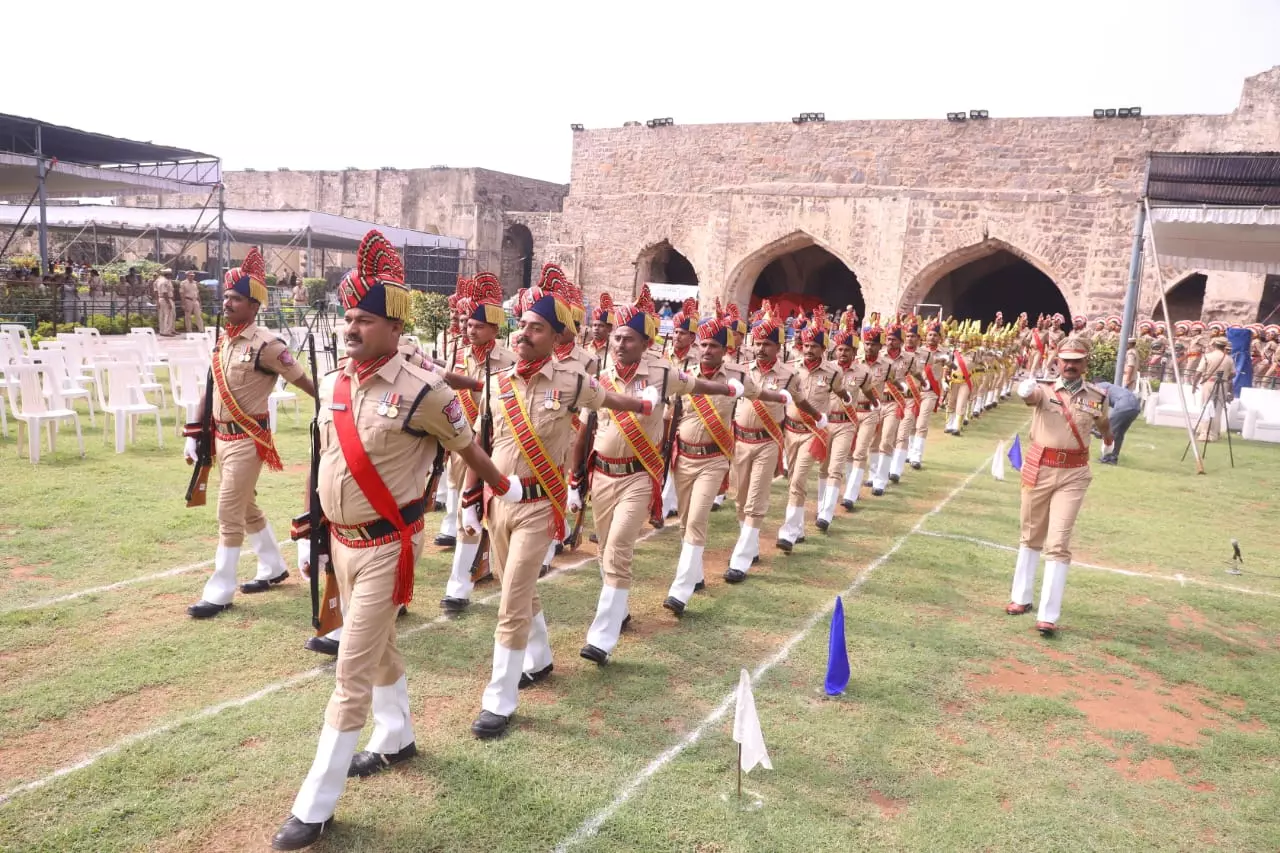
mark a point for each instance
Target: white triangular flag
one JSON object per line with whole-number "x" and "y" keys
{"x": 997, "y": 462}
{"x": 746, "y": 727}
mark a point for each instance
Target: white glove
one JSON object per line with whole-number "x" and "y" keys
{"x": 1026, "y": 387}
{"x": 575, "y": 500}
{"x": 651, "y": 395}
{"x": 471, "y": 520}
{"x": 787, "y": 399}
{"x": 514, "y": 491}
{"x": 189, "y": 451}
{"x": 735, "y": 389}
{"x": 304, "y": 558}
{"x": 822, "y": 422}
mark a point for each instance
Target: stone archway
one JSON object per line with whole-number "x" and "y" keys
{"x": 1185, "y": 299}
{"x": 796, "y": 272}
{"x": 975, "y": 282}
{"x": 662, "y": 263}
{"x": 517, "y": 257}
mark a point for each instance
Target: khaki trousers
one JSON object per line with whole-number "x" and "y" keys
{"x": 958, "y": 401}
{"x": 620, "y": 508}
{"x": 165, "y": 317}
{"x": 907, "y": 426}
{"x": 519, "y": 535}
{"x": 928, "y": 405}
{"x": 1049, "y": 510}
{"x": 753, "y": 468}
{"x": 698, "y": 482}
{"x": 889, "y": 424}
{"x": 456, "y": 473}
{"x": 1211, "y": 423}
{"x": 800, "y": 463}
{"x": 868, "y": 427}
{"x": 192, "y": 315}
{"x": 836, "y": 465}
{"x": 367, "y": 655}
{"x": 238, "y": 512}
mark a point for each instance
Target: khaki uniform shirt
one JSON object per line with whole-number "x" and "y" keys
{"x": 1217, "y": 361}
{"x": 402, "y": 446}
{"x": 250, "y": 362}
{"x": 1049, "y": 428}
{"x": 500, "y": 358}
{"x": 650, "y": 372}
{"x": 691, "y": 429}
{"x": 583, "y": 359}
{"x": 858, "y": 379}
{"x": 780, "y": 377}
{"x": 164, "y": 290}
{"x": 818, "y": 386}
{"x": 551, "y": 396}
{"x": 190, "y": 290}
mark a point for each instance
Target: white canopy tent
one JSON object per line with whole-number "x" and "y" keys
{"x": 672, "y": 292}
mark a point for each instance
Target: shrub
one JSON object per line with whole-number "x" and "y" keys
{"x": 430, "y": 313}
{"x": 1102, "y": 360}
{"x": 317, "y": 290}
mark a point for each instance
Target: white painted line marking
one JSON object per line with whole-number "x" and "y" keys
{"x": 72, "y": 596}
{"x": 213, "y": 710}
{"x": 592, "y": 825}
{"x": 1178, "y": 578}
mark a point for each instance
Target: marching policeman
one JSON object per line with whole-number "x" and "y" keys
{"x": 864, "y": 380}
{"x": 245, "y": 363}
{"x": 808, "y": 441}
{"x": 1055, "y": 477}
{"x": 379, "y": 422}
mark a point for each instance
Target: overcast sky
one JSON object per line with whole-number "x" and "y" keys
{"x": 496, "y": 84}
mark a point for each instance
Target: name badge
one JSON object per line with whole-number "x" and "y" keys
{"x": 337, "y": 407}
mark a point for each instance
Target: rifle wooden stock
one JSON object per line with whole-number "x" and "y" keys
{"x": 330, "y": 618}
{"x": 198, "y": 489}
{"x": 326, "y": 612}
{"x": 480, "y": 568}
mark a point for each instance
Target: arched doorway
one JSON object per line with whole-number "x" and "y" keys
{"x": 1185, "y": 299}
{"x": 517, "y": 257}
{"x": 661, "y": 263}
{"x": 796, "y": 274}
{"x": 997, "y": 279}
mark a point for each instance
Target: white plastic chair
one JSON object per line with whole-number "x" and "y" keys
{"x": 282, "y": 394}
{"x": 58, "y": 381}
{"x": 131, "y": 352}
{"x": 187, "y": 379}
{"x": 120, "y": 397}
{"x": 19, "y": 338}
{"x": 27, "y": 400}
{"x": 155, "y": 357}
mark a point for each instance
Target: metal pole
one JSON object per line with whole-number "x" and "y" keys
{"x": 1131, "y": 294}
{"x": 306, "y": 267}
{"x": 222, "y": 234}
{"x": 41, "y": 172}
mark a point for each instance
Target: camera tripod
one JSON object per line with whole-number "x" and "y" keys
{"x": 321, "y": 325}
{"x": 1217, "y": 402}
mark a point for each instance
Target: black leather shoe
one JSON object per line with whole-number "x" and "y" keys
{"x": 784, "y": 546}
{"x": 735, "y": 576}
{"x": 453, "y": 605}
{"x": 445, "y": 541}
{"x": 296, "y": 835}
{"x": 545, "y": 570}
{"x": 367, "y": 763}
{"x": 594, "y": 654}
{"x": 699, "y": 586}
{"x": 402, "y": 612}
{"x": 674, "y": 604}
{"x": 715, "y": 507}
{"x": 322, "y": 645}
{"x": 823, "y": 524}
{"x": 916, "y": 466}
{"x": 528, "y": 679}
{"x": 626, "y": 623}
{"x": 262, "y": 586}
{"x": 559, "y": 548}
{"x": 489, "y": 725}
{"x": 206, "y": 610}
{"x": 877, "y": 492}
{"x": 755, "y": 559}
{"x": 847, "y": 505}
{"x": 438, "y": 506}
{"x": 673, "y": 513}
{"x": 800, "y": 541}
{"x": 895, "y": 478}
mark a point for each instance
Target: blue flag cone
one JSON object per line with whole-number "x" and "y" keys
{"x": 837, "y": 654}
{"x": 1015, "y": 454}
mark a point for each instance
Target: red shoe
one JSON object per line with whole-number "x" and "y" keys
{"x": 1015, "y": 609}
{"x": 1046, "y": 629}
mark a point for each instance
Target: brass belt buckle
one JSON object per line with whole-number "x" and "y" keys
{"x": 1062, "y": 458}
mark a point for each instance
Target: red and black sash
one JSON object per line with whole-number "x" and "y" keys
{"x": 964, "y": 369}
{"x": 649, "y": 454}
{"x": 548, "y": 474}
{"x": 260, "y": 434}
{"x": 370, "y": 482}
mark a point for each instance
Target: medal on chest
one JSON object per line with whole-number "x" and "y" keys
{"x": 247, "y": 356}
{"x": 551, "y": 400}
{"x": 389, "y": 406}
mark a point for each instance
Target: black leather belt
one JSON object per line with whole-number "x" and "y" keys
{"x": 689, "y": 449}
{"x": 838, "y": 418}
{"x": 752, "y": 436}
{"x": 233, "y": 428}
{"x": 410, "y": 512}
{"x": 618, "y": 467}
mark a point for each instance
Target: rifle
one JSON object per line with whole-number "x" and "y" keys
{"x": 480, "y": 568}
{"x": 582, "y": 475}
{"x": 312, "y": 525}
{"x": 198, "y": 488}
{"x": 437, "y": 465}
{"x": 668, "y": 454}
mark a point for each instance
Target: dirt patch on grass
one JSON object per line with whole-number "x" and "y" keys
{"x": 1165, "y": 714}
{"x": 24, "y": 572}
{"x": 56, "y": 743}
{"x": 889, "y": 806}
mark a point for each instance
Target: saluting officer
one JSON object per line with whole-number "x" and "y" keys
{"x": 533, "y": 405}
{"x": 245, "y": 363}
{"x": 808, "y": 441}
{"x": 379, "y": 422}
{"x": 483, "y": 355}
{"x": 1055, "y": 476}
{"x": 626, "y": 464}
{"x": 758, "y": 443}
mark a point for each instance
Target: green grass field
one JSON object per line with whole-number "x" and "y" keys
{"x": 1149, "y": 723}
